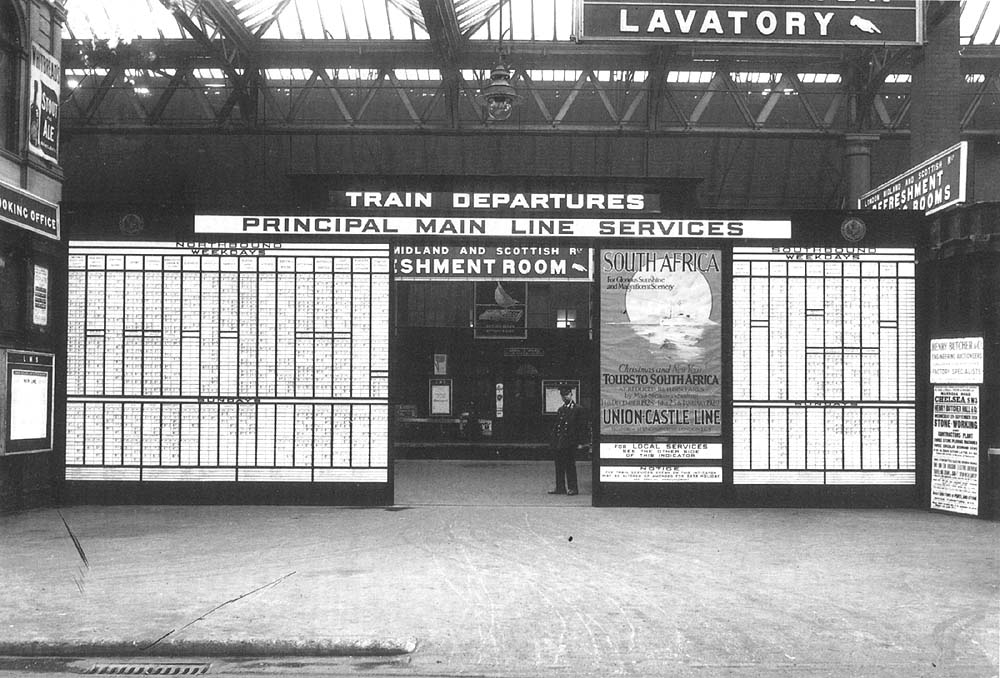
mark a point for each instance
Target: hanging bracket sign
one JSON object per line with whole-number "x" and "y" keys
{"x": 929, "y": 187}
{"x": 827, "y": 22}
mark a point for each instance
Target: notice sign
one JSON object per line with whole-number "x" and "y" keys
{"x": 661, "y": 342}
{"x": 472, "y": 262}
{"x": 43, "y": 116}
{"x": 29, "y": 404}
{"x": 501, "y": 310}
{"x": 929, "y": 187}
{"x": 28, "y": 211}
{"x": 40, "y": 296}
{"x": 661, "y": 474}
{"x": 957, "y": 361}
{"x": 955, "y": 465}
{"x": 885, "y": 22}
{"x": 628, "y": 450}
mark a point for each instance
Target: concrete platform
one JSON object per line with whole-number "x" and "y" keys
{"x": 476, "y": 571}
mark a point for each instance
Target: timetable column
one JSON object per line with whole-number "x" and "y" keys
{"x": 869, "y": 331}
{"x": 267, "y": 292}
{"x": 209, "y": 327}
{"x": 833, "y": 331}
{"x": 191, "y": 326}
{"x": 304, "y": 327}
{"x": 760, "y": 322}
{"x": 323, "y": 351}
{"x": 96, "y": 293}
{"x": 171, "y": 325}
{"x": 76, "y": 325}
{"x": 797, "y": 331}
{"x": 285, "y": 351}
{"x": 342, "y": 327}
{"x": 248, "y": 327}
{"x": 815, "y": 325}
{"x": 380, "y": 332}
{"x": 778, "y": 332}
{"x": 741, "y": 330}
{"x": 361, "y": 327}
{"x": 114, "y": 324}
{"x": 152, "y": 327}
{"x": 132, "y": 362}
{"x": 229, "y": 327}
{"x": 888, "y": 344}
{"x": 852, "y": 331}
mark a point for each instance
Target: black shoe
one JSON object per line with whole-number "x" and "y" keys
{"x": 571, "y": 492}
{"x": 557, "y": 491}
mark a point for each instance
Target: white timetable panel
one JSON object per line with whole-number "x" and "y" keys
{"x": 262, "y": 362}
{"x": 823, "y": 365}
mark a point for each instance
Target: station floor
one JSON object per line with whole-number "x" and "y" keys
{"x": 476, "y": 571}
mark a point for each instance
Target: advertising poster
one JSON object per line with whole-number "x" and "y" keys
{"x": 955, "y": 465}
{"x": 661, "y": 342}
{"x": 43, "y": 116}
{"x": 501, "y": 310}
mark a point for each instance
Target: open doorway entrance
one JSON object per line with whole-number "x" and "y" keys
{"x": 476, "y": 370}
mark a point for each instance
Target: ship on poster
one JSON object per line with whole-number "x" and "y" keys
{"x": 661, "y": 342}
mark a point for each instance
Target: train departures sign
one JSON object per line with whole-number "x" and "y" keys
{"x": 828, "y": 22}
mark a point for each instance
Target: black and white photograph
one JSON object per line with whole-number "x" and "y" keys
{"x": 500, "y": 338}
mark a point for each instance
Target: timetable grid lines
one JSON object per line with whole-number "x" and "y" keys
{"x": 230, "y": 366}
{"x": 823, "y": 374}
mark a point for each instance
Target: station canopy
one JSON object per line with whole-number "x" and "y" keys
{"x": 188, "y": 63}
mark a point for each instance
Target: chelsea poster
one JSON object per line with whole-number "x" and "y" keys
{"x": 661, "y": 342}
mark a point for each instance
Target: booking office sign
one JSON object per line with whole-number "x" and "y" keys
{"x": 661, "y": 342}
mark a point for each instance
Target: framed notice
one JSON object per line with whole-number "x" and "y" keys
{"x": 40, "y": 295}
{"x": 552, "y": 398}
{"x": 440, "y": 364}
{"x": 439, "y": 396}
{"x": 26, "y": 398}
{"x": 501, "y": 310}
{"x": 955, "y": 450}
{"x": 957, "y": 361}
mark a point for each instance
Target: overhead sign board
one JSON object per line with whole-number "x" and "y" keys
{"x": 929, "y": 187}
{"x": 829, "y": 22}
{"x": 496, "y": 262}
{"x": 655, "y": 227}
{"x": 496, "y": 201}
{"x": 28, "y": 211}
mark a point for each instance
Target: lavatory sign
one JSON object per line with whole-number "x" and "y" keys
{"x": 872, "y": 22}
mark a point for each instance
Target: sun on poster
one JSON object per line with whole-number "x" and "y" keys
{"x": 661, "y": 342}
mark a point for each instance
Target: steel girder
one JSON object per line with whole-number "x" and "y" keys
{"x": 231, "y": 79}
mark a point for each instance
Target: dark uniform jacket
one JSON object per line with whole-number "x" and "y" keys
{"x": 572, "y": 427}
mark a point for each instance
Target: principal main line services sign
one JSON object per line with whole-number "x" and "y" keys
{"x": 664, "y": 227}
{"x": 828, "y": 22}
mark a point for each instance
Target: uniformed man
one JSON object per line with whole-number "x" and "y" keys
{"x": 571, "y": 432}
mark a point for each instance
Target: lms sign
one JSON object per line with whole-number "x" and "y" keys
{"x": 828, "y": 22}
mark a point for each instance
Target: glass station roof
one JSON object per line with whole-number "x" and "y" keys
{"x": 541, "y": 20}
{"x": 125, "y": 20}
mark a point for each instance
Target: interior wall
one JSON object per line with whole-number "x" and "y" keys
{"x": 240, "y": 171}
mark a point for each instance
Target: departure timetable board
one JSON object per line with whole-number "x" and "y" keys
{"x": 251, "y": 362}
{"x": 823, "y": 365}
